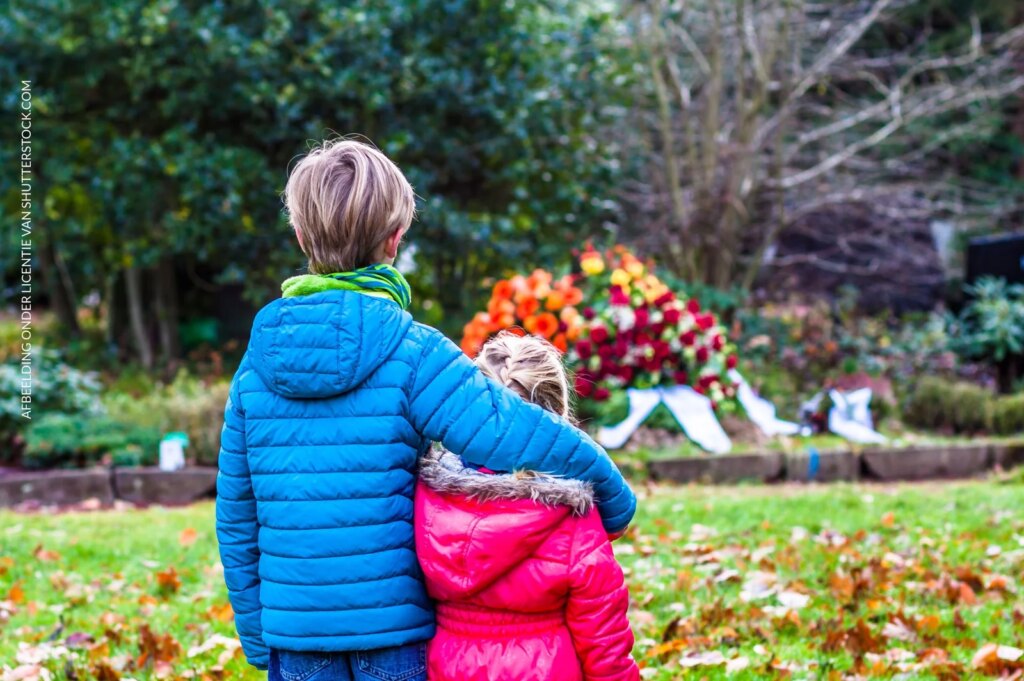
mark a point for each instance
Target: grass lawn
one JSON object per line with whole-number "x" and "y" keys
{"x": 744, "y": 582}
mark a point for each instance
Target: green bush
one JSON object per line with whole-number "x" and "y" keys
{"x": 67, "y": 441}
{"x": 1008, "y": 415}
{"x": 187, "y": 404}
{"x": 56, "y": 388}
{"x": 939, "y": 404}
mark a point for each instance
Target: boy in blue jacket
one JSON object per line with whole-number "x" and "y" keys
{"x": 338, "y": 394}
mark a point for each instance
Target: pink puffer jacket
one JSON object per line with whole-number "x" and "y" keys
{"x": 526, "y": 583}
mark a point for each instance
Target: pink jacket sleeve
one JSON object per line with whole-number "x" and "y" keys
{"x": 598, "y": 602}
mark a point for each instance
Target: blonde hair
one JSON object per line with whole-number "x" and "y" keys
{"x": 529, "y": 366}
{"x": 344, "y": 199}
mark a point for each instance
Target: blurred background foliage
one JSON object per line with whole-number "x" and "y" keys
{"x": 164, "y": 130}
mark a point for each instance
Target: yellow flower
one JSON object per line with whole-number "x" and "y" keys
{"x": 635, "y": 268}
{"x": 621, "y": 278}
{"x": 592, "y": 264}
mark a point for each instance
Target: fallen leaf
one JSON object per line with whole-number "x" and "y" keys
{"x": 168, "y": 581}
{"x": 792, "y": 599}
{"x": 706, "y": 659}
{"x": 16, "y": 594}
{"x": 888, "y": 519}
{"x": 188, "y": 536}
{"x": 46, "y": 556}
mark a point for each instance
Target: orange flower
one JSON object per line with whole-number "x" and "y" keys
{"x": 539, "y": 283}
{"x": 538, "y": 277}
{"x": 471, "y": 345}
{"x": 527, "y": 308}
{"x": 560, "y": 342}
{"x": 505, "y": 321}
{"x": 555, "y": 301}
{"x": 503, "y": 289}
{"x": 520, "y": 290}
{"x": 573, "y": 296}
{"x": 544, "y": 325}
{"x": 497, "y": 307}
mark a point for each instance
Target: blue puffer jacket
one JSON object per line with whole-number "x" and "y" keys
{"x": 337, "y": 396}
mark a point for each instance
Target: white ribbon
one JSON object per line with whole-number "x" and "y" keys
{"x": 850, "y": 417}
{"x": 692, "y": 410}
{"x": 760, "y": 410}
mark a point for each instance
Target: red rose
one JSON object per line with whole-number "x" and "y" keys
{"x": 672, "y": 316}
{"x": 688, "y": 338}
{"x": 642, "y": 317}
{"x": 618, "y": 296}
{"x": 702, "y": 354}
{"x": 664, "y": 298}
{"x": 717, "y": 342}
{"x": 709, "y": 380}
{"x": 621, "y": 348}
{"x": 584, "y": 349}
{"x": 693, "y": 305}
{"x": 658, "y": 329}
{"x": 605, "y": 351}
{"x": 588, "y": 313}
{"x": 680, "y": 377}
{"x": 661, "y": 349}
{"x": 704, "y": 321}
{"x": 599, "y": 334}
{"x": 642, "y": 339}
{"x": 731, "y": 361}
{"x": 601, "y": 394}
{"x": 584, "y": 386}
{"x": 626, "y": 374}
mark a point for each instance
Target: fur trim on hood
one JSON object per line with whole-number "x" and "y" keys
{"x": 445, "y": 472}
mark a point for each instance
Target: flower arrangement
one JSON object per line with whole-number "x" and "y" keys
{"x": 619, "y": 325}
{"x": 538, "y": 304}
{"x": 640, "y": 334}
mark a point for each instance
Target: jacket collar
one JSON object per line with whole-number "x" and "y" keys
{"x": 445, "y": 472}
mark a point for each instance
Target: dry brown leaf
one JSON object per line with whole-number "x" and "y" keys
{"x": 168, "y": 581}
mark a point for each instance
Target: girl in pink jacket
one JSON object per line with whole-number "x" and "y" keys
{"x": 527, "y": 586}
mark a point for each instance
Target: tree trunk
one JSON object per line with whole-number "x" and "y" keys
{"x": 133, "y": 286}
{"x": 167, "y": 311}
{"x": 57, "y": 281}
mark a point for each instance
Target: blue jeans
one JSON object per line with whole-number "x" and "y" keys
{"x": 402, "y": 663}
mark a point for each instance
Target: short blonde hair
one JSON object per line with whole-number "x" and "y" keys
{"x": 344, "y": 199}
{"x": 531, "y": 367}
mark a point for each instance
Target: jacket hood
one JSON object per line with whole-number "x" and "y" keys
{"x": 476, "y": 527}
{"x": 324, "y": 344}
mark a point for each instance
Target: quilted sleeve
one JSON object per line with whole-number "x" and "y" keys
{"x": 238, "y": 532}
{"x": 488, "y": 425}
{"x": 597, "y": 608}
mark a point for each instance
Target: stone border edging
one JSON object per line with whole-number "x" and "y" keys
{"x": 134, "y": 485}
{"x": 877, "y": 464}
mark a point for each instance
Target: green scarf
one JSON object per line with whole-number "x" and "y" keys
{"x": 382, "y": 281}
